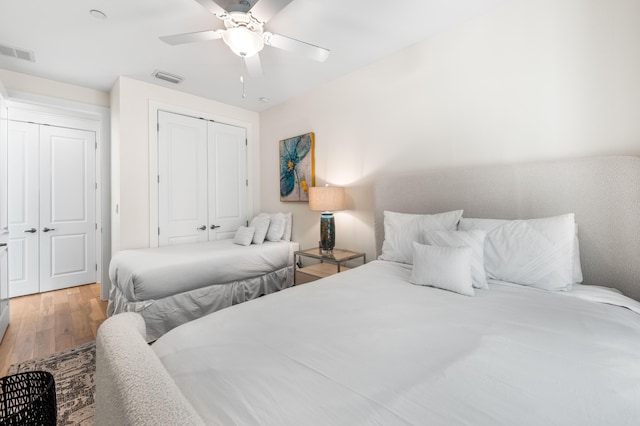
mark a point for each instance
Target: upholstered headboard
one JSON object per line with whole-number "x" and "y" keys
{"x": 603, "y": 192}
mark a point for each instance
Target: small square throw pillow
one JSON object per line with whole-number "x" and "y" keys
{"x": 244, "y": 236}
{"x": 474, "y": 239}
{"x": 402, "y": 229}
{"x": 448, "y": 268}
{"x": 261, "y": 225}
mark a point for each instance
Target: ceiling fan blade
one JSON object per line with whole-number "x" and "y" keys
{"x": 192, "y": 37}
{"x": 212, "y": 7}
{"x": 289, "y": 44}
{"x": 266, "y": 9}
{"x": 254, "y": 67}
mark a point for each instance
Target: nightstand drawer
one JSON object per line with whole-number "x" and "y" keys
{"x": 317, "y": 271}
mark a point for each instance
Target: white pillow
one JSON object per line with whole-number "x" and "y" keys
{"x": 276, "y": 227}
{"x": 244, "y": 236}
{"x": 577, "y": 266}
{"x": 490, "y": 224}
{"x": 448, "y": 268}
{"x": 261, "y": 225}
{"x": 534, "y": 252}
{"x": 287, "y": 227}
{"x": 474, "y": 239}
{"x": 401, "y": 230}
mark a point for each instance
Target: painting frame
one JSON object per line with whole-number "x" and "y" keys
{"x": 297, "y": 167}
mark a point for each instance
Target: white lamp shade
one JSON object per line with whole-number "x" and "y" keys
{"x": 243, "y": 41}
{"x": 326, "y": 198}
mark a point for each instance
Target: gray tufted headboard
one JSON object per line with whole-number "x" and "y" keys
{"x": 603, "y": 192}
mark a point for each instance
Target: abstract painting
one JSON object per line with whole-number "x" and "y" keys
{"x": 296, "y": 167}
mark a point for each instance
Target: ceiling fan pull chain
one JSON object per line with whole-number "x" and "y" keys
{"x": 244, "y": 95}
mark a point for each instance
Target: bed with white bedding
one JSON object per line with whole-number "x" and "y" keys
{"x": 171, "y": 285}
{"x": 369, "y": 346}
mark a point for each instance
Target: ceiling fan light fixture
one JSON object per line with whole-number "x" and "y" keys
{"x": 242, "y": 41}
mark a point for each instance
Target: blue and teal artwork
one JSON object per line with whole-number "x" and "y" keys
{"x": 296, "y": 168}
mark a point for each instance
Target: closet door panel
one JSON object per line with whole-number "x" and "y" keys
{"x": 227, "y": 180}
{"x": 182, "y": 186}
{"x": 67, "y": 208}
{"x": 4, "y": 216}
{"x": 4, "y": 173}
{"x": 24, "y": 208}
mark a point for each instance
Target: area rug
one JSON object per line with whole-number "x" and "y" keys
{"x": 73, "y": 371}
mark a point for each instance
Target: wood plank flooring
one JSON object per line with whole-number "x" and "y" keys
{"x": 46, "y": 323}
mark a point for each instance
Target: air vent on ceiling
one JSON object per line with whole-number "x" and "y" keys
{"x": 171, "y": 78}
{"x": 16, "y": 52}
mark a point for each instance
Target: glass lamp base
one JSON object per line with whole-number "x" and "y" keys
{"x": 326, "y": 252}
{"x": 327, "y": 233}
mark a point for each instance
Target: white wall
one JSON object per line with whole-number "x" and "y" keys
{"x": 532, "y": 80}
{"x": 133, "y": 108}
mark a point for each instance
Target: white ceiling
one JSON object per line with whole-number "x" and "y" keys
{"x": 73, "y": 47}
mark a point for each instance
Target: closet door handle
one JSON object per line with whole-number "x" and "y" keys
{"x": 215, "y": 226}
{"x": 48, "y": 229}
{"x": 202, "y": 228}
{"x": 31, "y": 231}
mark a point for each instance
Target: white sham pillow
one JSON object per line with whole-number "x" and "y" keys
{"x": 490, "y": 224}
{"x": 447, "y": 268}
{"x": 287, "y": 228}
{"x": 401, "y": 230}
{"x": 474, "y": 239}
{"x": 534, "y": 252}
{"x": 276, "y": 227}
{"x": 244, "y": 236}
{"x": 577, "y": 266}
{"x": 261, "y": 225}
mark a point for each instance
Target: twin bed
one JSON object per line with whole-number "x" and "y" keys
{"x": 368, "y": 346}
{"x": 169, "y": 286}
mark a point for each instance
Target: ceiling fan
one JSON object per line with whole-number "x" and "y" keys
{"x": 244, "y": 33}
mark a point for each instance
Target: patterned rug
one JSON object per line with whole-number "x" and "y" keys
{"x": 73, "y": 371}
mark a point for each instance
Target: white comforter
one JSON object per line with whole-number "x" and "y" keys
{"x": 154, "y": 273}
{"x": 366, "y": 347}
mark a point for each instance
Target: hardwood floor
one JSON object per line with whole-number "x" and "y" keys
{"x": 46, "y": 323}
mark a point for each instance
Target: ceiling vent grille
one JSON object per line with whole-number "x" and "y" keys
{"x": 16, "y": 52}
{"x": 171, "y": 78}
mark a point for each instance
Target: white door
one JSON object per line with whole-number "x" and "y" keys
{"x": 202, "y": 180}
{"x": 4, "y": 222}
{"x": 24, "y": 211}
{"x": 4, "y": 174}
{"x": 182, "y": 179}
{"x": 67, "y": 207}
{"x": 227, "y": 153}
{"x": 52, "y": 208}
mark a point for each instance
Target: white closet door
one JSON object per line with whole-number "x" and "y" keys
{"x": 24, "y": 222}
{"x": 182, "y": 187}
{"x": 227, "y": 180}
{"x": 4, "y": 174}
{"x": 4, "y": 214}
{"x": 67, "y": 207}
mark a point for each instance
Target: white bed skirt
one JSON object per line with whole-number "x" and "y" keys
{"x": 162, "y": 315}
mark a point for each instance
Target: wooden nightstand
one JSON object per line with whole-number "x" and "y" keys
{"x": 328, "y": 265}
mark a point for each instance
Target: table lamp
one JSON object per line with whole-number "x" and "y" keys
{"x": 326, "y": 199}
